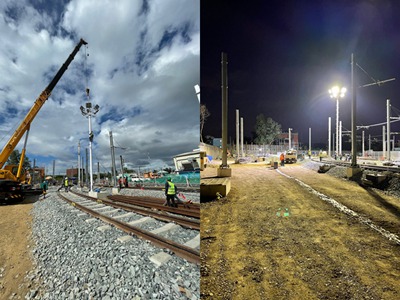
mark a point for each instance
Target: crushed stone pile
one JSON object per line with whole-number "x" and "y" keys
{"x": 74, "y": 260}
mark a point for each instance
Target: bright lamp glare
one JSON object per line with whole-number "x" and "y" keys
{"x": 337, "y": 92}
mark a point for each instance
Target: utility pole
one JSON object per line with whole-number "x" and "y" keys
{"x": 224, "y": 170}
{"x": 329, "y": 137}
{"x": 79, "y": 163}
{"x": 122, "y": 167}
{"x": 113, "y": 175}
{"x": 86, "y": 170}
{"x": 309, "y": 138}
{"x": 383, "y": 142}
{"x": 363, "y": 143}
{"x": 353, "y": 116}
{"x": 340, "y": 138}
{"x": 388, "y": 128}
{"x": 98, "y": 172}
{"x": 241, "y": 134}
{"x": 290, "y": 138}
{"x": 237, "y": 135}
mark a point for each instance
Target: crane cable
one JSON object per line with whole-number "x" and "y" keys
{"x": 86, "y": 74}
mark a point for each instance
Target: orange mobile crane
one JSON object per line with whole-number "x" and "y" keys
{"x": 11, "y": 176}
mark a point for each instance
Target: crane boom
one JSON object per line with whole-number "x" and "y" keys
{"x": 24, "y": 126}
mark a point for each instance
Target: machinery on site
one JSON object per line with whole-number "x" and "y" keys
{"x": 14, "y": 180}
{"x": 291, "y": 156}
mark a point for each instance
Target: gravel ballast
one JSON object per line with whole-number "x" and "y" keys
{"x": 74, "y": 260}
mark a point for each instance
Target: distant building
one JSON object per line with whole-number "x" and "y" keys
{"x": 283, "y": 139}
{"x": 72, "y": 172}
{"x": 38, "y": 175}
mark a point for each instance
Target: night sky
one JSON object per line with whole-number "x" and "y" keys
{"x": 284, "y": 56}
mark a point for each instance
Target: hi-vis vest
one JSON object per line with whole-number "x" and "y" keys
{"x": 171, "y": 188}
{"x": 66, "y": 182}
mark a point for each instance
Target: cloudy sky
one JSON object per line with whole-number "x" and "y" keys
{"x": 141, "y": 64}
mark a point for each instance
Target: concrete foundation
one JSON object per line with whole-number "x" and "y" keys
{"x": 209, "y": 187}
{"x": 354, "y": 173}
{"x": 93, "y": 194}
{"x": 224, "y": 172}
{"x": 115, "y": 191}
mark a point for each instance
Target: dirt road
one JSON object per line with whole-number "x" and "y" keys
{"x": 253, "y": 248}
{"x": 15, "y": 255}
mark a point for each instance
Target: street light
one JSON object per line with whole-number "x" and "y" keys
{"x": 88, "y": 112}
{"x": 336, "y": 93}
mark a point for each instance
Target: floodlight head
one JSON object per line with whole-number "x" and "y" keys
{"x": 96, "y": 108}
{"x": 82, "y": 110}
{"x": 342, "y": 92}
{"x": 337, "y": 92}
{"x": 88, "y": 105}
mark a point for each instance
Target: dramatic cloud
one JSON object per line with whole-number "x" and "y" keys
{"x": 141, "y": 64}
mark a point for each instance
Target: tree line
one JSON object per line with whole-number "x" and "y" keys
{"x": 266, "y": 130}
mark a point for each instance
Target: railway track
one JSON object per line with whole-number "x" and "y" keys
{"x": 155, "y": 207}
{"x": 114, "y": 214}
{"x": 372, "y": 167}
{"x": 191, "y": 189}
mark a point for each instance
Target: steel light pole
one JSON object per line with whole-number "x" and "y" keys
{"x": 88, "y": 112}
{"x": 336, "y": 93}
{"x": 80, "y": 164}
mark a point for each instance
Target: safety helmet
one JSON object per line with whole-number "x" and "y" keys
{"x": 169, "y": 178}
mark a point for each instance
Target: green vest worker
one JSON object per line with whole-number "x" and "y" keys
{"x": 171, "y": 188}
{"x": 66, "y": 184}
{"x": 170, "y": 191}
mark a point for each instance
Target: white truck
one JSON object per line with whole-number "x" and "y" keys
{"x": 291, "y": 157}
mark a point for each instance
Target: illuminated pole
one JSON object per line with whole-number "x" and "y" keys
{"x": 90, "y": 151}
{"x": 89, "y": 112}
{"x": 337, "y": 93}
{"x": 383, "y": 142}
{"x": 237, "y": 135}
{"x": 340, "y": 138}
{"x": 290, "y": 138}
{"x": 329, "y": 137}
{"x": 241, "y": 135}
{"x": 309, "y": 138}
{"x": 388, "y": 128}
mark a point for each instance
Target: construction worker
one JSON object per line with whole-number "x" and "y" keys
{"x": 44, "y": 186}
{"x": 282, "y": 159}
{"x": 66, "y": 184}
{"x": 170, "y": 192}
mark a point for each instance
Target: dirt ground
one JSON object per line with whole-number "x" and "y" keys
{"x": 15, "y": 249}
{"x": 273, "y": 239}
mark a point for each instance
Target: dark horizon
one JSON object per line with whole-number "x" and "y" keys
{"x": 282, "y": 60}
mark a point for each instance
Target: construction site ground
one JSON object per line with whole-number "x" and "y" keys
{"x": 15, "y": 249}
{"x": 253, "y": 248}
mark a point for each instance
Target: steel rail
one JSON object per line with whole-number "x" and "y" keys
{"x": 193, "y": 211}
{"x": 187, "y": 253}
{"x": 153, "y": 203}
{"x": 365, "y": 166}
{"x": 183, "y": 221}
